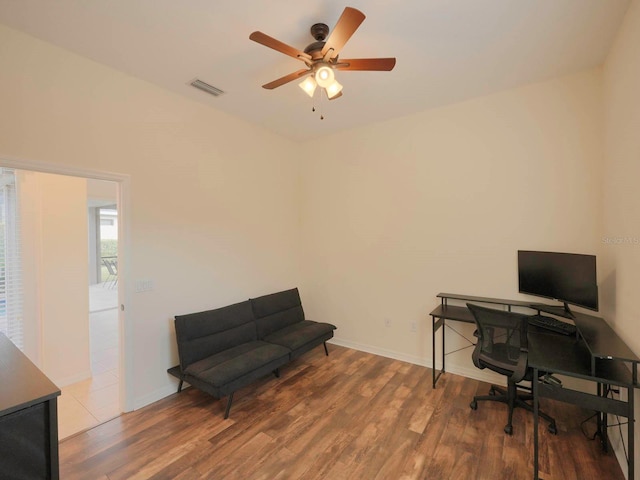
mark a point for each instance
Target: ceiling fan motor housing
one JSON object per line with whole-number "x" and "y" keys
{"x": 319, "y": 31}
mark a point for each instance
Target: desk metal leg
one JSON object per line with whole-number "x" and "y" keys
{"x": 443, "y": 331}
{"x": 630, "y": 433}
{"x": 433, "y": 351}
{"x": 435, "y": 326}
{"x": 535, "y": 387}
{"x": 601, "y": 418}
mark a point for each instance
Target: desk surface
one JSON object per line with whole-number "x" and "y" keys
{"x": 602, "y": 340}
{"x": 567, "y": 355}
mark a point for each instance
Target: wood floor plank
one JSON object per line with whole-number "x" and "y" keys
{"x": 351, "y": 415}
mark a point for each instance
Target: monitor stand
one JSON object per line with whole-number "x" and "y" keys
{"x": 560, "y": 311}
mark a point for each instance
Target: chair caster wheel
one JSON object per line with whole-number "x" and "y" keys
{"x": 474, "y": 405}
{"x": 508, "y": 429}
{"x": 553, "y": 429}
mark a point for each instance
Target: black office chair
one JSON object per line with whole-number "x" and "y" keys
{"x": 502, "y": 347}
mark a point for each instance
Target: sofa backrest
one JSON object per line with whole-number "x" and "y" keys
{"x": 276, "y": 311}
{"x": 202, "y": 334}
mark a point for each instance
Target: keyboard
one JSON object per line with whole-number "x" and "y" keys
{"x": 552, "y": 324}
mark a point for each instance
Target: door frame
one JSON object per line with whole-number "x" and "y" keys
{"x": 123, "y": 183}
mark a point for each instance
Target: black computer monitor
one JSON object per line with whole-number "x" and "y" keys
{"x": 569, "y": 278}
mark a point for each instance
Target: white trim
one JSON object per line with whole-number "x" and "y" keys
{"x": 59, "y": 169}
{"x": 124, "y": 296}
{"x": 156, "y": 395}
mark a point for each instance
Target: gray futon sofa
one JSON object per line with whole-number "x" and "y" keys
{"x": 225, "y": 349}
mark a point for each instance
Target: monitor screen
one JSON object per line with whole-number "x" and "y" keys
{"x": 567, "y": 277}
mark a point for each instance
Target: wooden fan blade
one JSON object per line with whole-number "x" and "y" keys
{"x": 286, "y": 79}
{"x": 271, "y": 42}
{"x": 347, "y": 24}
{"x": 377, "y": 64}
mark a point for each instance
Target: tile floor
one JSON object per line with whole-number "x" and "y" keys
{"x": 91, "y": 402}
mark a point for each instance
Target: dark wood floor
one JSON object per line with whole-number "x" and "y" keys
{"x": 351, "y": 415}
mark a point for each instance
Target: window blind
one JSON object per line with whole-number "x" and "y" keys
{"x": 11, "y": 320}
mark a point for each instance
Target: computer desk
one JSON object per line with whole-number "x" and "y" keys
{"x": 607, "y": 362}
{"x": 596, "y": 354}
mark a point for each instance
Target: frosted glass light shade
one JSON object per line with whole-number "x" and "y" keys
{"x": 308, "y": 85}
{"x": 324, "y": 76}
{"x": 334, "y": 89}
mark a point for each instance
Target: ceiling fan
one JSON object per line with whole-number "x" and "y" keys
{"x": 321, "y": 56}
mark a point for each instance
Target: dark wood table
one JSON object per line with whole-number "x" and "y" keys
{"x": 28, "y": 418}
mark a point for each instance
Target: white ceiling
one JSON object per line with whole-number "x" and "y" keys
{"x": 446, "y": 50}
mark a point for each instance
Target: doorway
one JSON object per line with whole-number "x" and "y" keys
{"x": 115, "y": 362}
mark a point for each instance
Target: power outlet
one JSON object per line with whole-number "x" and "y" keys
{"x": 387, "y": 322}
{"x": 413, "y": 326}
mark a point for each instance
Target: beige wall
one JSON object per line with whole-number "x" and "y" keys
{"x": 214, "y": 211}
{"x": 621, "y": 233}
{"x": 441, "y": 201}
{"x": 54, "y": 239}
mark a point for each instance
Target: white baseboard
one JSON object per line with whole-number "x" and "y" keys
{"x": 154, "y": 396}
{"x": 475, "y": 373}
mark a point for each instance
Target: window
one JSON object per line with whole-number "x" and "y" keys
{"x": 10, "y": 261}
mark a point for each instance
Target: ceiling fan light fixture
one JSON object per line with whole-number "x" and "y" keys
{"x": 308, "y": 85}
{"x": 334, "y": 89}
{"x": 324, "y": 76}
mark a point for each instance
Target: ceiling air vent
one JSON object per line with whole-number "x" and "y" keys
{"x": 205, "y": 87}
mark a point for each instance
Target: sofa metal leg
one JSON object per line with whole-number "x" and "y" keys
{"x": 226, "y": 412}
{"x": 326, "y": 352}
{"x": 180, "y": 386}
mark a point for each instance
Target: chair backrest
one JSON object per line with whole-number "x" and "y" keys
{"x": 502, "y": 341}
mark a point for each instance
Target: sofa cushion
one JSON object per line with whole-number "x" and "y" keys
{"x": 229, "y": 365}
{"x": 203, "y": 334}
{"x": 300, "y": 334}
{"x": 276, "y": 311}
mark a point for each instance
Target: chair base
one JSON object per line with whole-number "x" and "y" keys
{"x": 514, "y": 399}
